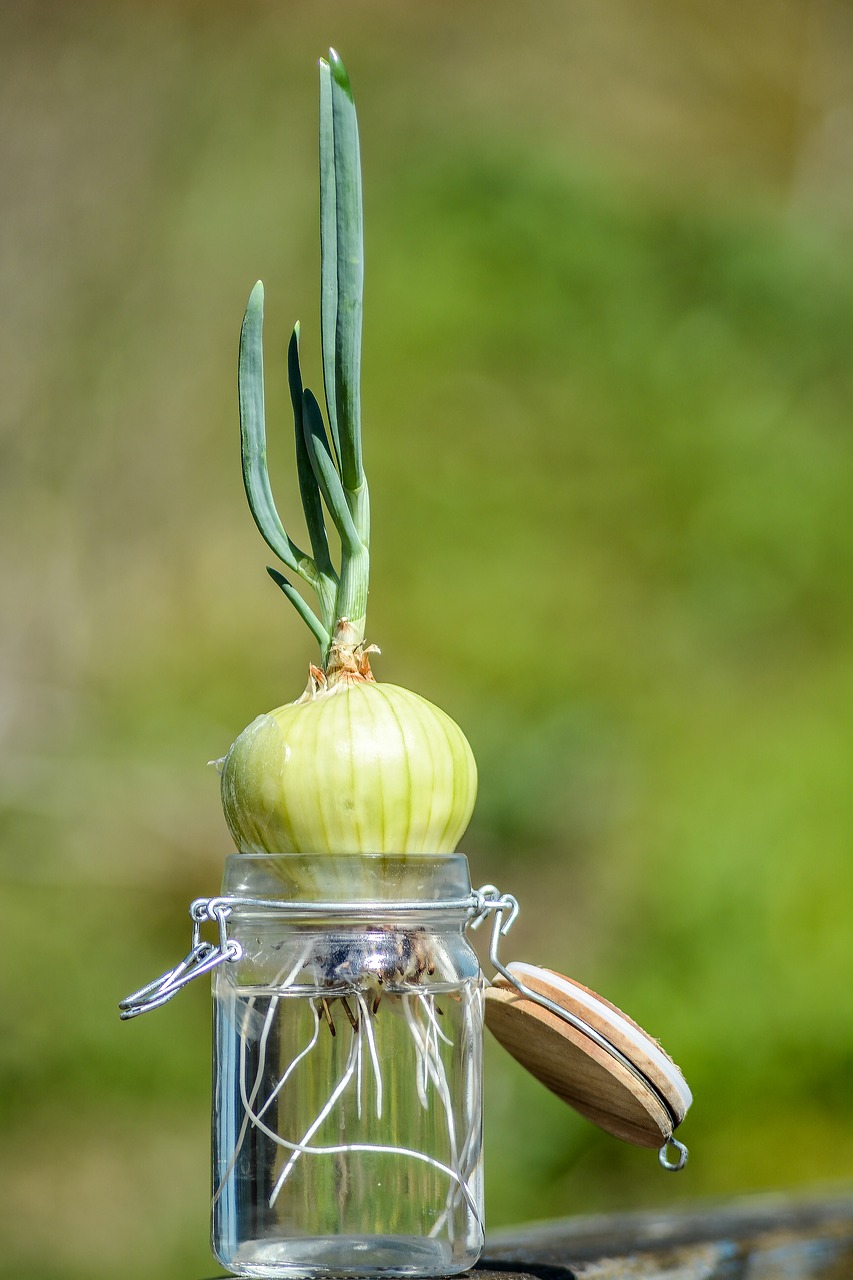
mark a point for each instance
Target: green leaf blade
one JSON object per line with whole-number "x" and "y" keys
{"x": 349, "y": 264}
{"x": 328, "y": 480}
{"x": 308, "y": 488}
{"x": 305, "y": 612}
{"x": 253, "y": 441}
{"x": 328, "y": 251}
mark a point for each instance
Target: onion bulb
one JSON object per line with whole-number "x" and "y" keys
{"x": 352, "y": 766}
{"x": 362, "y": 767}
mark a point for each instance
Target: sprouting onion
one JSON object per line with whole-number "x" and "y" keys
{"x": 352, "y": 766}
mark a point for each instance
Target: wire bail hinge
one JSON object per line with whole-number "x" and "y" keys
{"x": 504, "y": 909}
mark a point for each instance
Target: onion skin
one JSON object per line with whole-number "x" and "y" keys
{"x": 361, "y": 767}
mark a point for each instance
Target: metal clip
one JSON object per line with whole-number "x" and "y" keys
{"x": 507, "y": 903}
{"x": 201, "y": 958}
{"x": 489, "y": 899}
{"x": 204, "y": 956}
{"x": 673, "y": 1166}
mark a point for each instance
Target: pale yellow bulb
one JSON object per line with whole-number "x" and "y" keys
{"x": 362, "y": 768}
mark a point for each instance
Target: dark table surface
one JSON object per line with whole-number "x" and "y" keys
{"x": 753, "y": 1238}
{"x": 756, "y": 1238}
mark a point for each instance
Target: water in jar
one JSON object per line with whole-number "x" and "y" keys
{"x": 347, "y": 1118}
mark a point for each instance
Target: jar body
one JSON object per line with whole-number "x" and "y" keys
{"x": 347, "y": 1108}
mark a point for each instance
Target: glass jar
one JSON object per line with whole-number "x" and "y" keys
{"x": 347, "y": 1114}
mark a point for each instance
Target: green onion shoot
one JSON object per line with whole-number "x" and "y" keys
{"x": 353, "y": 765}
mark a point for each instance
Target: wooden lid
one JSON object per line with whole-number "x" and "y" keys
{"x": 624, "y": 1082}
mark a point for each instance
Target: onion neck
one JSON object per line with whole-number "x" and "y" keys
{"x": 351, "y": 599}
{"x": 350, "y": 605}
{"x": 348, "y": 661}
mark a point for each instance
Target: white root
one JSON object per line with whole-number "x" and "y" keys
{"x": 438, "y": 1075}
{"x": 427, "y": 1036}
{"x": 295, "y": 1063}
{"x": 426, "y": 1042}
{"x": 421, "y": 1070}
{"x": 366, "y": 1022}
{"x": 428, "y": 1008}
{"x": 359, "y": 1072}
{"x": 262, "y": 1057}
{"x": 470, "y": 1153}
{"x": 339, "y": 1088}
{"x": 430, "y": 1057}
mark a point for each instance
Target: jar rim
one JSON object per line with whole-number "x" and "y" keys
{"x": 348, "y": 878}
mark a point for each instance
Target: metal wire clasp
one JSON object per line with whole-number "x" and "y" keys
{"x": 201, "y": 958}
{"x": 488, "y": 900}
{"x": 483, "y": 902}
{"x": 505, "y": 905}
{"x": 204, "y": 956}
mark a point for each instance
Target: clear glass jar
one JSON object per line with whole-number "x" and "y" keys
{"x": 347, "y": 1113}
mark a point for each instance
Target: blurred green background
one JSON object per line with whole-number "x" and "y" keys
{"x": 607, "y": 380}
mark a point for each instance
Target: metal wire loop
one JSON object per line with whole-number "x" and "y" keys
{"x": 204, "y": 956}
{"x": 490, "y": 900}
{"x": 482, "y": 902}
{"x": 673, "y": 1166}
{"x": 220, "y": 913}
{"x": 499, "y": 929}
